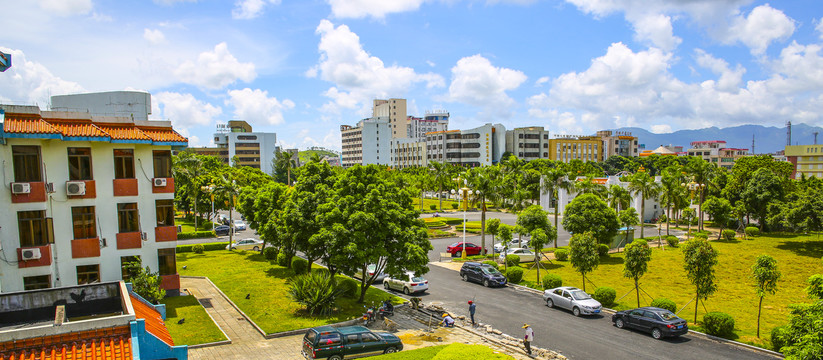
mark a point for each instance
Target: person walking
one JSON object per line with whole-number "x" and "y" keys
{"x": 471, "y": 311}
{"x": 528, "y": 338}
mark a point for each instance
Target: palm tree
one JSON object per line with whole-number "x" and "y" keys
{"x": 511, "y": 168}
{"x": 671, "y": 193}
{"x": 589, "y": 186}
{"x": 283, "y": 161}
{"x": 486, "y": 180}
{"x": 230, "y": 190}
{"x": 644, "y": 185}
{"x": 702, "y": 172}
{"x": 619, "y": 198}
{"x": 442, "y": 176}
{"x": 553, "y": 180}
{"x": 187, "y": 171}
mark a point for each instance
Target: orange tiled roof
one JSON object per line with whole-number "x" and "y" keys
{"x": 124, "y": 132}
{"x": 28, "y": 125}
{"x": 154, "y": 322}
{"x": 78, "y": 129}
{"x": 102, "y": 344}
{"x": 163, "y": 134}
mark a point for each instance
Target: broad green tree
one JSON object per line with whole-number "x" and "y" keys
{"x": 492, "y": 227}
{"x": 702, "y": 172}
{"x": 505, "y": 238}
{"x": 145, "y": 283}
{"x": 644, "y": 185}
{"x": 283, "y": 165}
{"x": 588, "y": 185}
{"x": 699, "y": 260}
{"x": 763, "y": 188}
{"x": 555, "y": 180}
{"x": 803, "y": 340}
{"x": 628, "y": 218}
{"x": 533, "y": 217}
{"x": 583, "y": 254}
{"x": 314, "y": 188}
{"x": 720, "y": 210}
{"x": 618, "y": 197}
{"x": 538, "y": 240}
{"x": 262, "y": 207}
{"x": 638, "y": 255}
{"x": 766, "y": 276}
{"x": 588, "y": 212}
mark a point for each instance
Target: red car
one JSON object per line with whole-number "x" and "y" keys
{"x": 456, "y": 249}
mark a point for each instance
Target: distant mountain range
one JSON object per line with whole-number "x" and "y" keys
{"x": 767, "y": 139}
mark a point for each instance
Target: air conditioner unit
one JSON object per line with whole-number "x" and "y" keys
{"x": 75, "y": 188}
{"x": 31, "y": 254}
{"x": 20, "y": 188}
{"x": 160, "y": 182}
{"x": 50, "y": 188}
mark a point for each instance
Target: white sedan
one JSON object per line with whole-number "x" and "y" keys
{"x": 515, "y": 243}
{"x": 407, "y": 284}
{"x": 525, "y": 255}
{"x": 246, "y": 244}
{"x": 573, "y": 299}
{"x": 239, "y": 225}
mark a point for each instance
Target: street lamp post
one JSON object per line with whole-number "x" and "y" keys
{"x": 464, "y": 192}
{"x": 693, "y": 187}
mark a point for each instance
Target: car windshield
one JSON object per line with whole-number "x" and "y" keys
{"x": 580, "y": 295}
{"x": 453, "y": 245}
{"x": 490, "y": 270}
{"x": 418, "y": 279}
{"x": 667, "y": 315}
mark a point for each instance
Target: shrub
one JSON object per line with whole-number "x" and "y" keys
{"x": 512, "y": 260}
{"x": 602, "y": 249}
{"x": 455, "y": 206}
{"x": 718, "y": 324}
{"x": 664, "y": 303}
{"x": 672, "y": 241}
{"x": 551, "y": 281}
{"x": 701, "y": 236}
{"x": 348, "y": 286}
{"x": 283, "y": 259}
{"x": 779, "y": 335}
{"x": 195, "y": 235}
{"x": 605, "y": 295}
{"x": 729, "y": 234}
{"x": 561, "y": 254}
{"x": 197, "y": 248}
{"x": 751, "y": 231}
{"x": 270, "y": 253}
{"x": 491, "y": 262}
{"x": 433, "y": 207}
{"x": 206, "y": 247}
{"x": 317, "y": 291}
{"x": 453, "y": 221}
{"x": 515, "y": 274}
{"x": 299, "y": 265}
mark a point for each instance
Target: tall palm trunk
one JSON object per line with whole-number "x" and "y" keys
{"x": 642, "y": 213}
{"x": 668, "y": 218}
{"x": 440, "y": 196}
{"x": 759, "y": 308}
{"x": 556, "y": 211}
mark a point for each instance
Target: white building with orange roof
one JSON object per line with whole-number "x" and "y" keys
{"x": 85, "y": 193}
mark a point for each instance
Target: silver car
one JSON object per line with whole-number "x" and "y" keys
{"x": 572, "y": 298}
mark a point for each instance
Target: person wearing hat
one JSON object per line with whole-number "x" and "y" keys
{"x": 447, "y": 320}
{"x": 528, "y": 339}
{"x": 471, "y": 311}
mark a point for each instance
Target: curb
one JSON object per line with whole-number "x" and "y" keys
{"x": 216, "y": 343}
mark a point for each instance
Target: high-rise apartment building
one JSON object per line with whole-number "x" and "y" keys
{"x": 528, "y": 143}
{"x": 807, "y": 160}
{"x": 395, "y": 111}
{"x": 480, "y": 146}
{"x": 408, "y": 152}
{"x": 363, "y": 144}
{"x": 566, "y": 148}
{"x": 433, "y": 121}
{"x": 618, "y": 143}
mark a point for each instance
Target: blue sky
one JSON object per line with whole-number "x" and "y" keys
{"x": 302, "y": 68}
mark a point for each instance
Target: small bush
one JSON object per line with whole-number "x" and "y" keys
{"x": 195, "y": 235}
{"x": 515, "y": 274}
{"x": 206, "y": 247}
{"x": 664, "y": 303}
{"x": 512, "y": 260}
{"x": 701, "y": 236}
{"x": 270, "y": 253}
{"x": 317, "y": 291}
{"x": 602, "y": 249}
{"x": 299, "y": 265}
{"x": 729, "y": 234}
{"x": 551, "y": 281}
{"x": 198, "y": 248}
{"x": 283, "y": 259}
{"x": 672, "y": 241}
{"x": 752, "y": 231}
{"x": 779, "y": 335}
{"x": 605, "y": 295}
{"x": 491, "y": 262}
{"x": 432, "y": 207}
{"x": 453, "y": 221}
{"x": 561, "y": 254}
{"x": 348, "y": 286}
{"x": 455, "y": 206}
{"x": 718, "y": 324}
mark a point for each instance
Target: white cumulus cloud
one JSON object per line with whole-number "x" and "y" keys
{"x": 763, "y": 26}
{"x": 657, "y": 30}
{"x": 184, "y": 110}
{"x": 30, "y": 82}
{"x": 477, "y": 82}
{"x": 729, "y": 80}
{"x": 66, "y": 7}
{"x": 250, "y": 9}
{"x": 215, "y": 69}
{"x": 154, "y": 36}
{"x": 375, "y": 8}
{"x": 256, "y": 105}
{"x": 661, "y": 129}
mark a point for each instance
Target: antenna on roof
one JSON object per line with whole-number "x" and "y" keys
{"x": 815, "y": 137}
{"x": 788, "y": 133}
{"x": 753, "y": 144}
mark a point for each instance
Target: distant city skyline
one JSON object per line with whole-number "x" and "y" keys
{"x": 302, "y": 69}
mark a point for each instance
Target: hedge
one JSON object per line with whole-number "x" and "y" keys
{"x": 270, "y": 253}
{"x": 195, "y": 235}
{"x": 198, "y": 248}
{"x": 718, "y": 324}
{"x": 664, "y": 303}
{"x": 299, "y": 265}
{"x": 515, "y": 274}
{"x": 672, "y": 240}
{"x": 206, "y": 247}
{"x": 603, "y": 249}
{"x": 512, "y": 260}
{"x": 751, "y": 231}
{"x": 347, "y": 285}
{"x": 551, "y": 281}
{"x": 729, "y": 234}
{"x": 605, "y": 295}
{"x": 561, "y": 254}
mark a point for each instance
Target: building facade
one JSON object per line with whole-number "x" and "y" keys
{"x": 395, "y": 111}
{"x": 528, "y": 143}
{"x": 85, "y": 195}
{"x": 716, "y": 152}
{"x": 807, "y": 160}
{"x": 236, "y": 138}
{"x": 362, "y": 144}
{"x": 433, "y": 121}
{"x": 566, "y": 148}
{"x": 481, "y": 146}
{"x": 653, "y": 209}
{"x": 408, "y": 152}
{"x": 618, "y": 143}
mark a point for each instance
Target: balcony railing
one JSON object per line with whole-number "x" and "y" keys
{"x": 125, "y": 187}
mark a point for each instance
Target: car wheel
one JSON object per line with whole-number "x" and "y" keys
{"x": 486, "y": 282}
{"x": 386, "y": 285}
{"x": 576, "y": 311}
{"x": 256, "y": 248}
{"x": 619, "y": 323}
{"x": 335, "y": 357}
{"x": 465, "y": 277}
{"x": 549, "y": 303}
{"x": 406, "y": 291}
{"x": 233, "y": 248}
{"x": 657, "y": 334}
{"x": 389, "y": 350}
{"x": 458, "y": 254}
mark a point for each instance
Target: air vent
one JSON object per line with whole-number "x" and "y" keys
{"x": 75, "y": 188}
{"x": 20, "y": 188}
{"x": 30, "y": 254}
{"x": 160, "y": 182}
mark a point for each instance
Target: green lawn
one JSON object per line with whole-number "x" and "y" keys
{"x": 455, "y": 351}
{"x": 238, "y": 273}
{"x": 198, "y": 328}
{"x": 798, "y": 257}
{"x": 188, "y": 226}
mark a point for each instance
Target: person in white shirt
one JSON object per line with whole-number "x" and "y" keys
{"x": 528, "y": 338}
{"x": 448, "y": 321}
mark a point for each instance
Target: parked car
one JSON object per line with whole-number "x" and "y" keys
{"x": 222, "y": 230}
{"x": 246, "y": 244}
{"x": 239, "y": 225}
{"x": 659, "y": 322}
{"x": 482, "y": 273}
{"x": 370, "y": 270}
{"x": 515, "y": 243}
{"x": 407, "y": 284}
{"x": 456, "y": 249}
{"x": 572, "y": 298}
{"x": 525, "y": 255}
{"x": 327, "y": 342}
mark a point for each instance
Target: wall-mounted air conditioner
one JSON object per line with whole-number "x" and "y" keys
{"x": 160, "y": 182}
{"x": 31, "y": 254}
{"x": 75, "y": 188}
{"x": 20, "y": 188}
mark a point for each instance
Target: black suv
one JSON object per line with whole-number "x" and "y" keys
{"x": 327, "y": 342}
{"x": 482, "y": 273}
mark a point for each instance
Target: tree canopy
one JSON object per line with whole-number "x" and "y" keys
{"x": 588, "y": 212}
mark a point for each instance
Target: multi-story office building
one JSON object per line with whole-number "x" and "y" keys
{"x": 566, "y": 148}
{"x": 236, "y": 138}
{"x": 716, "y": 152}
{"x": 408, "y": 152}
{"x": 618, "y": 143}
{"x": 395, "y": 111}
{"x": 86, "y": 194}
{"x": 362, "y": 144}
{"x": 528, "y": 143}
{"x": 807, "y": 160}
{"x": 480, "y": 146}
{"x": 433, "y": 121}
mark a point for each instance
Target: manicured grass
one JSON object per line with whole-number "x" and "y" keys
{"x": 435, "y": 233}
{"x": 447, "y": 204}
{"x": 197, "y": 328}
{"x": 798, "y": 257}
{"x": 188, "y": 225}
{"x": 238, "y": 273}
{"x": 455, "y": 351}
